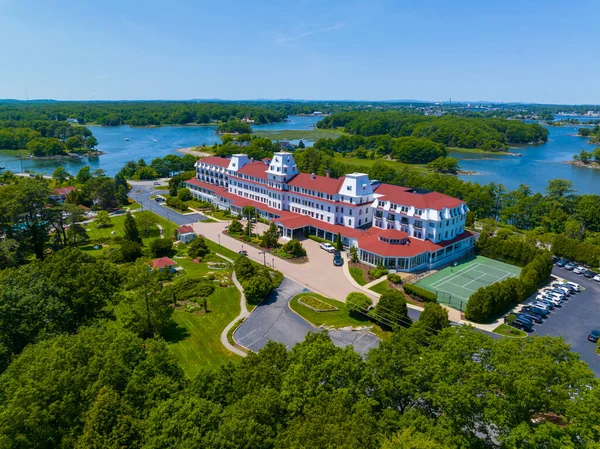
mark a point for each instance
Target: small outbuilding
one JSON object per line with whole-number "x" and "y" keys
{"x": 163, "y": 264}
{"x": 185, "y": 234}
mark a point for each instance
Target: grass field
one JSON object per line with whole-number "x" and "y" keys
{"x": 421, "y": 168}
{"x": 477, "y": 151}
{"x": 312, "y": 134}
{"x": 338, "y": 318}
{"x": 358, "y": 275}
{"x": 380, "y": 287}
{"x": 201, "y": 346}
{"x": 316, "y": 303}
{"x": 509, "y": 331}
{"x": 455, "y": 285}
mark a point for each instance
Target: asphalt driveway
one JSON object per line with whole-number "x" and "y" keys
{"x": 273, "y": 320}
{"x": 577, "y": 317}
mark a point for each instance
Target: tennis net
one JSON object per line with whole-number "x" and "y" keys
{"x": 484, "y": 278}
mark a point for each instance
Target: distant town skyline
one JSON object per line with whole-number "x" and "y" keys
{"x": 470, "y": 51}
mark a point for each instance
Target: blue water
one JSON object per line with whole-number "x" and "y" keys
{"x": 111, "y": 140}
{"x": 537, "y": 165}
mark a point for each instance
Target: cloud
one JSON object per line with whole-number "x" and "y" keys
{"x": 281, "y": 39}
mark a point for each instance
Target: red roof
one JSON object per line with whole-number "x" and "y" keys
{"x": 207, "y": 186}
{"x": 319, "y": 183}
{"x": 186, "y": 229}
{"x": 215, "y": 160}
{"x": 63, "y": 190}
{"x": 392, "y": 234}
{"x": 295, "y": 221}
{"x": 256, "y": 169}
{"x": 163, "y": 262}
{"x": 408, "y": 197}
{"x": 370, "y": 242}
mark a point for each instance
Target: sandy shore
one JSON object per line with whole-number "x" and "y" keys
{"x": 193, "y": 151}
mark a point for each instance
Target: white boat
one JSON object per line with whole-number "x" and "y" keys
{"x": 2, "y": 167}
{"x": 126, "y": 138}
{"x": 154, "y": 141}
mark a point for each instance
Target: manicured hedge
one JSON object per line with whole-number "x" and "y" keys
{"x": 495, "y": 299}
{"x": 512, "y": 251}
{"x": 420, "y": 292}
{"x": 581, "y": 252}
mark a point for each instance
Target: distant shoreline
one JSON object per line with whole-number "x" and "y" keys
{"x": 593, "y": 165}
{"x": 193, "y": 151}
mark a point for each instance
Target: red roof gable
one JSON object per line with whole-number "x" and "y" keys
{"x": 215, "y": 160}
{"x": 371, "y": 243}
{"x": 163, "y": 262}
{"x": 63, "y": 190}
{"x": 256, "y": 169}
{"x": 319, "y": 183}
{"x": 185, "y": 229}
{"x": 408, "y": 197}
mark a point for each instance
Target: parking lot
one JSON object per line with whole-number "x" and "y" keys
{"x": 577, "y": 317}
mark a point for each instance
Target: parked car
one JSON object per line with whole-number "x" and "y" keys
{"x": 565, "y": 285}
{"x": 579, "y": 270}
{"x": 552, "y": 294}
{"x": 554, "y": 300}
{"x": 337, "y": 259}
{"x": 575, "y": 285}
{"x": 543, "y": 303}
{"x": 597, "y": 278}
{"x": 156, "y": 183}
{"x": 532, "y": 316}
{"x": 561, "y": 263}
{"x": 523, "y": 324}
{"x": 541, "y": 311}
{"x": 589, "y": 274}
{"x": 561, "y": 293}
{"x": 327, "y": 247}
{"x": 546, "y": 300}
{"x": 243, "y": 253}
{"x": 594, "y": 336}
{"x": 561, "y": 288}
{"x": 569, "y": 266}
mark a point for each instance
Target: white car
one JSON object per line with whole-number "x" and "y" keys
{"x": 579, "y": 270}
{"x": 596, "y": 278}
{"x": 327, "y": 247}
{"x": 574, "y": 284}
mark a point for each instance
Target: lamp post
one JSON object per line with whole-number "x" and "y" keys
{"x": 273, "y": 263}
{"x": 264, "y": 253}
{"x": 219, "y": 237}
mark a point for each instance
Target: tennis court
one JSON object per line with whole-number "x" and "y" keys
{"x": 454, "y": 285}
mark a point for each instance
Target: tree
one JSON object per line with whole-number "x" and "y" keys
{"x": 244, "y": 269}
{"x": 150, "y": 314}
{"x": 433, "y": 318}
{"x": 338, "y": 243}
{"x": 270, "y": 237}
{"x": 301, "y": 144}
{"x": 130, "y": 251}
{"x": 102, "y": 219}
{"x": 184, "y": 194}
{"x": 91, "y": 142}
{"x": 391, "y": 310}
{"x": 74, "y": 143}
{"x": 235, "y": 226}
{"x": 558, "y": 189}
{"x": 354, "y": 257}
{"x": 257, "y": 288}
{"x": 358, "y": 303}
{"x": 60, "y": 175}
{"x": 131, "y": 232}
{"x": 145, "y": 222}
{"x": 83, "y": 175}
{"x": 160, "y": 247}
{"x": 444, "y": 165}
{"x": 198, "y": 248}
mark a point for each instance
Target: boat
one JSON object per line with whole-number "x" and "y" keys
{"x": 2, "y": 167}
{"x": 154, "y": 141}
{"x": 126, "y": 138}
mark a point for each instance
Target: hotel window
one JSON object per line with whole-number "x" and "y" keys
{"x": 350, "y": 212}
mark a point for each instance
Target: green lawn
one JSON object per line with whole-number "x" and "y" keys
{"x": 316, "y": 303}
{"x": 476, "y": 151}
{"x": 509, "y": 331}
{"x": 338, "y": 318}
{"x": 218, "y": 214}
{"x": 201, "y": 346}
{"x": 117, "y": 225}
{"x": 358, "y": 275}
{"x": 380, "y": 287}
{"x": 301, "y": 134}
{"x": 194, "y": 269}
{"x": 134, "y": 206}
{"x": 421, "y": 168}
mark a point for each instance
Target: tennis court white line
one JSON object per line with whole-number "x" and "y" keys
{"x": 450, "y": 278}
{"x": 479, "y": 277}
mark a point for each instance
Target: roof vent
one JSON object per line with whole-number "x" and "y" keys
{"x": 313, "y": 176}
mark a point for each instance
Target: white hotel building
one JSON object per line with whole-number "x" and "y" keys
{"x": 404, "y": 229}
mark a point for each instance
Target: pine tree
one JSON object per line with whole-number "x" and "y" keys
{"x": 132, "y": 234}
{"x": 338, "y": 243}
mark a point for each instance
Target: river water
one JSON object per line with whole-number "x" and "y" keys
{"x": 537, "y": 165}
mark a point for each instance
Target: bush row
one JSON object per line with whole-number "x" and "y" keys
{"x": 512, "y": 251}
{"x": 581, "y": 252}
{"x": 420, "y": 293}
{"x": 497, "y": 298}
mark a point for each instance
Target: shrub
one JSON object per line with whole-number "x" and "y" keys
{"x": 188, "y": 288}
{"x": 184, "y": 194}
{"x": 394, "y": 278}
{"x": 434, "y": 318}
{"x": 581, "y": 252}
{"x": 316, "y": 239}
{"x": 244, "y": 269}
{"x": 161, "y": 247}
{"x": 235, "y": 226}
{"x": 391, "y": 309}
{"x": 176, "y": 203}
{"x": 294, "y": 248}
{"x": 354, "y": 258}
{"x": 420, "y": 293}
{"x": 378, "y": 272}
{"x": 358, "y": 303}
{"x": 130, "y": 251}
{"x": 257, "y": 288}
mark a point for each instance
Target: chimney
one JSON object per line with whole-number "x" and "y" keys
{"x": 328, "y": 173}
{"x": 313, "y": 176}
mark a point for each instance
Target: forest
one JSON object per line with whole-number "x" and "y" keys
{"x": 45, "y": 137}
{"x": 489, "y": 134}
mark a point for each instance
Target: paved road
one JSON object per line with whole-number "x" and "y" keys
{"x": 141, "y": 192}
{"x": 577, "y": 317}
{"x": 273, "y": 320}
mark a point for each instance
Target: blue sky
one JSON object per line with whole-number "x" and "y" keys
{"x": 545, "y": 52}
